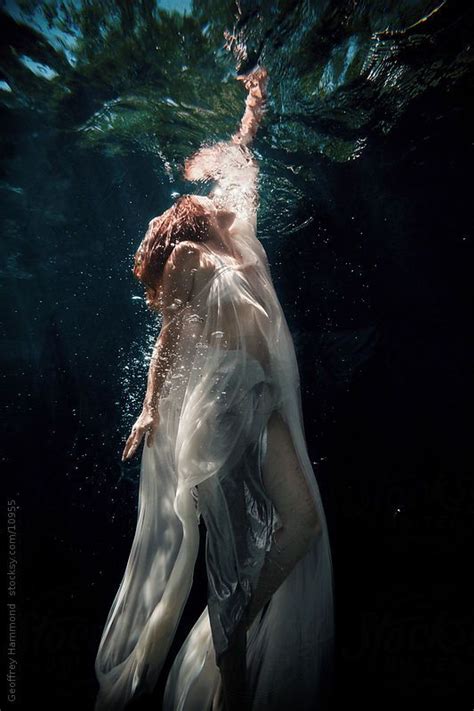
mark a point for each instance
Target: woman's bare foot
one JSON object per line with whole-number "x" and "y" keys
{"x": 233, "y": 668}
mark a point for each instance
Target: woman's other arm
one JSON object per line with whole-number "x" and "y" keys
{"x": 177, "y": 285}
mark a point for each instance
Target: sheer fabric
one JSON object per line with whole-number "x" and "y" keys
{"x": 234, "y": 368}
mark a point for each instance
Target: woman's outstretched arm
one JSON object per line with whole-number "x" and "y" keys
{"x": 255, "y": 105}
{"x": 234, "y": 172}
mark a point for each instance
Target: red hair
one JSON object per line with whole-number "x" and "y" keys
{"x": 186, "y": 219}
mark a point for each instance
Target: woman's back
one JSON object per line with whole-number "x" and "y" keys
{"x": 232, "y": 304}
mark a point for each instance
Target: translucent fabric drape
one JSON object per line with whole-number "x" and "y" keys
{"x": 233, "y": 369}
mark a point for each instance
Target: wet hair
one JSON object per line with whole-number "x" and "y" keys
{"x": 186, "y": 219}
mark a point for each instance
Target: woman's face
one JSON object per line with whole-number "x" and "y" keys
{"x": 206, "y": 203}
{"x": 219, "y": 219}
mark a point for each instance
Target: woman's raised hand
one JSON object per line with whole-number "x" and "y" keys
{"x": 147, "y": 422}
{"x": 255, "y": 82}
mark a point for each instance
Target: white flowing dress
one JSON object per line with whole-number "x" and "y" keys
{"x": 206, "y": 460}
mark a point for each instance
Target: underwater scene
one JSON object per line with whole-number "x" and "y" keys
{"x": 365, "y": 153}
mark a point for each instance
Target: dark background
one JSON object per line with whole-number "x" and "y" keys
{"x": 377, "y": 292}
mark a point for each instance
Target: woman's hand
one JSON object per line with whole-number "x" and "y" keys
{"x": 147, "y": 422}
{"x": 255, "y": 82}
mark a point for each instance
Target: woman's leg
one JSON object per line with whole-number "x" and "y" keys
{"x": 230, "y": 694}
{"x": 233, "y": 669}
{"x": 286, "y": 486}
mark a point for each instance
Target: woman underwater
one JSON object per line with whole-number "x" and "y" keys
{"x": 225, "y": 440}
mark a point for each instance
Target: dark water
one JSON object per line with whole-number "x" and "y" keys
{"x": 366, "y": 214}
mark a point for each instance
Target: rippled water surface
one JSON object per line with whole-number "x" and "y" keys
{"x": 146, "y": 78}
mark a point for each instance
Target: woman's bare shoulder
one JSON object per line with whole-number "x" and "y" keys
{"x": 188, "y": 257}
{"x": 184, "y": 258}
